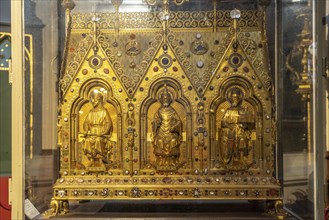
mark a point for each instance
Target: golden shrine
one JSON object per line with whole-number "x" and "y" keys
{"x": 166, "y": 105}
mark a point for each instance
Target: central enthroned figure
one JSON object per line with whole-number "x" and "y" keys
{"x": 98, "y": 128}
{"x": 167, "y": 133}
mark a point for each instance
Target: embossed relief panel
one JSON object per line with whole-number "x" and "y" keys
{"x": 187, "y": 112}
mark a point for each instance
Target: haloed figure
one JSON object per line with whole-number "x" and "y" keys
{"x": 235, "y": 133}
{"x": 97, "y": 129}
{"x": 167, "y": 133}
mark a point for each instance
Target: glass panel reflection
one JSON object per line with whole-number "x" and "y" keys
{"x": 297, "y": 56}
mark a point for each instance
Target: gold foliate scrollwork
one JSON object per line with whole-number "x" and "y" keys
{"x": 178, "y": 19}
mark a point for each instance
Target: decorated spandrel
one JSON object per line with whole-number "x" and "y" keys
{"x": 158, "y": 108}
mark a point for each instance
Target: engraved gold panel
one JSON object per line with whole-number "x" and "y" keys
{"x": 172, "y": 98}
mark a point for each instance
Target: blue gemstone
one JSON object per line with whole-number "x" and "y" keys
{"x": 95, "y": 61}
{"x": 235, "y": 60}
{"x": 165, "y": 61}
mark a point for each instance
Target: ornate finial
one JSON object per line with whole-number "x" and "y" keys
{"x": 163, "y": 2}
{"x": 68, "y": 4}
{"x": 235, "y": 14}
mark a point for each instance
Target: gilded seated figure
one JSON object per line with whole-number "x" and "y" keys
{"x": 167, "y": 134}
{"x": 97, "y": 132}
{"x": 237, "y": 133}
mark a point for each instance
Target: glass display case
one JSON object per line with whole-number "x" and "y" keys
{"x": 191, "y": 102}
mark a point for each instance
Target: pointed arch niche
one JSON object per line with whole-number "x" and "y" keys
{"x": 240, "y": 146}
{"x": 149, "y": 107}
{"x": 79, "y": 111}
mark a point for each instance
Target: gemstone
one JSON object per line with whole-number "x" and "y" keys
{"x": 189, "y": 87}
{"x": 155, "y": 69}
{"x": 72, "y": 49}
{"x": 167, "y": 180}
{"x": 260, "y": 45}
{"x": 61, "y": 193}
{"x": 165, "y": 47}
{"x": 84, "y": 35}
{"x": 165, "y": 61}
{"x": 246, "y": 69}
{"x": 216, "y": 42}
{"x": 84, "y": 71}
{"x": 181, "y": 42}
{"x": 175, "y": 69}
{"x": 235, "y": 60}
{"x": 199, "y": 48}
{"x": 115, "y": 44}
{"x": 95, "y": 61}
{"x": 106, "y": 71}
{"x": 225, "y": 69}
{"x": 198, "y": 36}
{"x": 235, "y": 14}
{"x": 200, "y": 64}
{"x": 132, "y": 36}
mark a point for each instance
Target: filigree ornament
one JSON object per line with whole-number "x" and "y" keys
{"x": 199, "y": 47}
{"x": 133, "y": 48}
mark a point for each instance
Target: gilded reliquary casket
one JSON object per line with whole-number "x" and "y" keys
{"x": 166, "y": 105}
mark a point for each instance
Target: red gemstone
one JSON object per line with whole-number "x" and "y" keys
{"x": 106, "y": 71}
{"x": 132, "y": 36}
{"x": 246, "y": 69}
{"x": 72, "y": 49}
{"x": 175, "y": 69}
{"x": 167, "y": 180}
{"x": 155, "y": 69}
{"x": 273, "y": 192}
{"x": 225, "y": 69}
